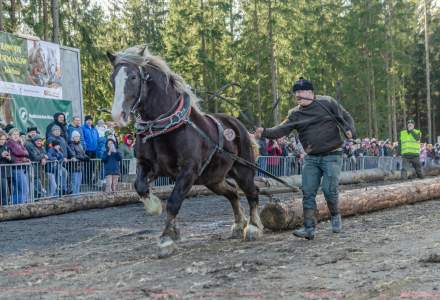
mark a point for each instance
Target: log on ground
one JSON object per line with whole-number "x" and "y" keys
{"x": 289, "y": 215}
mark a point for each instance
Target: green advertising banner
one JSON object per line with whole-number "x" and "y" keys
{"x": 32, "y": 111}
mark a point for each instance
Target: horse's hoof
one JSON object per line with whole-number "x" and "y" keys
{"x": 237, "y": 231}
{"x": 252, "y": 233}
{"x": 167, "y": 247}
{"x": 152, "y": 204}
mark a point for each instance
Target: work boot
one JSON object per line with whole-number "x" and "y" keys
{"x": 336, "y": 223}
{"x": 308, "y": 231}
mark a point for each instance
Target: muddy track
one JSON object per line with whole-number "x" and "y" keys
{"x": 111, "y": 254}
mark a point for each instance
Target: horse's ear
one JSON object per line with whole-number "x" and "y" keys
{"x": 111, "y": 57}
{"x": 142, "y": 50}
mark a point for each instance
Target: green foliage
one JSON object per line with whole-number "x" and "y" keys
{"x": 375, "y": 48}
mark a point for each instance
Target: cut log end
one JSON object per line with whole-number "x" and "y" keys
{"x": 273, "y": 216}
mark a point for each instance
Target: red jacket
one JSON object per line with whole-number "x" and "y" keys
{"x": 274, "y": 151}
{"x": 18, "y": 152}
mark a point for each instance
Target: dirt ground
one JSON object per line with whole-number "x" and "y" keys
{"x": 111, "y": 254}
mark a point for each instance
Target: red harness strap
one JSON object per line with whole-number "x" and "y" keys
{"x": 150, "y": 129}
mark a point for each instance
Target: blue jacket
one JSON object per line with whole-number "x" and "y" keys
{"x": 67, "y": 152}
{"x": 91, "y": 137}
{"x": 78, "y": 129}
{"x": 55, "y": 158}
{"x": 111, "y": 163}
{"x": 101, "y": 147}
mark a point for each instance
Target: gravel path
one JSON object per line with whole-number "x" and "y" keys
{"x": 111, "y": 254}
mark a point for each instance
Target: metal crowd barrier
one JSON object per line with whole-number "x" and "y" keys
{"x": 27, "y": 183}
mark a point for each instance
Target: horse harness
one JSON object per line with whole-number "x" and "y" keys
{"x": 175, "y": 119}
{"x": 169, "y": 122}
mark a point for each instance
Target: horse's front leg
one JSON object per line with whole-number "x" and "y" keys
{"x": 184, "y": 182}
{"x": 141, "y": 184}
{"x": 152, "y": 204}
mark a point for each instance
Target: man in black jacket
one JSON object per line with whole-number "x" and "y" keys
{"x": 317, "y": 121}
{"x": 59, "y": 119}
{"x": 38, "y": 155}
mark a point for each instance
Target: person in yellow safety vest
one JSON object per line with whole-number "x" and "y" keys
{"x": 410, "y": 149}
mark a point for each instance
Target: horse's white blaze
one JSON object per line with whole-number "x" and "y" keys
{"x": 119, "y": 98}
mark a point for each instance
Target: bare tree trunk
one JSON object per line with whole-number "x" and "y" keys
{"x": 203, "y": 40}
{"x": 213, "y": 56}
{"x": 369, "y": 98}
{"x": 1, "y": 15}
{"x": 373, "y": 103}
{"x": 390, "y": 123}
{"x": 13, "y": 15}
{"x": 434, "y": 129}
{"x": 370, "y": 117}
{"x": 45, "y": 21}
{"x": 392, "y": 73}
{"x": 273, "y": 68}
{"x": 428, "y": 79}
{"x": 258, "y": 64}
{"x": 393, "y": 104}
{"x": 55, "y": 22}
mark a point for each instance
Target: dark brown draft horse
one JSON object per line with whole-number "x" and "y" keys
{"x": 176, "y": 139}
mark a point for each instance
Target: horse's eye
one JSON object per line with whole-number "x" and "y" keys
{"x": 133, "y": 77}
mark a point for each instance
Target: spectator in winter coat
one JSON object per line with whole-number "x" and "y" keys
{"x": 111, "y": 159}
{"x": 54, "y": 167}
{"x": 75, "y": 126}
{"x": 91, "y": 137}
{"x": 31, "y": 132}
{"x": 77, "y": 166}
{"x": 59, "y": 119}
{"x": 101, "y": 127}
{"x": 38, "y": 155}
{"x": 126, "y": 148}
{"x": 37, "y": 152}
{"x": 388, "y": 149}
{"x": 5, "y": 171}
{"x": 20, "y": 181}
{"x": 430, "y": 154}
{"x": 127, "y": 151}
{"x": 262, "y": 145}
{"x": 423, "y": 154}
{"x": 55, "y": 135}
{"x": 437, "y": 153}
{"x": 273, "y": 163}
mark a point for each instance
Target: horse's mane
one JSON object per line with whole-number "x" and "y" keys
{"x": 141, "y": 56}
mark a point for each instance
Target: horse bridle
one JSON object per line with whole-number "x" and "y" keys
{"x": 144, "y": 78}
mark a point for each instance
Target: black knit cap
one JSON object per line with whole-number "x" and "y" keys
{"x": 29, "y": 129}
{"x": 302, "y": 85}
{"x": 88, "y": 117}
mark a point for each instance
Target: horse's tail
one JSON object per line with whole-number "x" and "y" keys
{"x": 255, "y": 147}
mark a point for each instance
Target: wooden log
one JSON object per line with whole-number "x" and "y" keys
{"x": 101, "y": 200}
{"x": 289, "y": 215}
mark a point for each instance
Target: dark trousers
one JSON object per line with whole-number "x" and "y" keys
{"x": 411, "y": 161}
{"x": 325, "y": 168}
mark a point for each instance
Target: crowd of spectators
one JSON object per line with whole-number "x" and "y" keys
{"x": 291, "y": 146}
{"x": 62, "y": 160}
